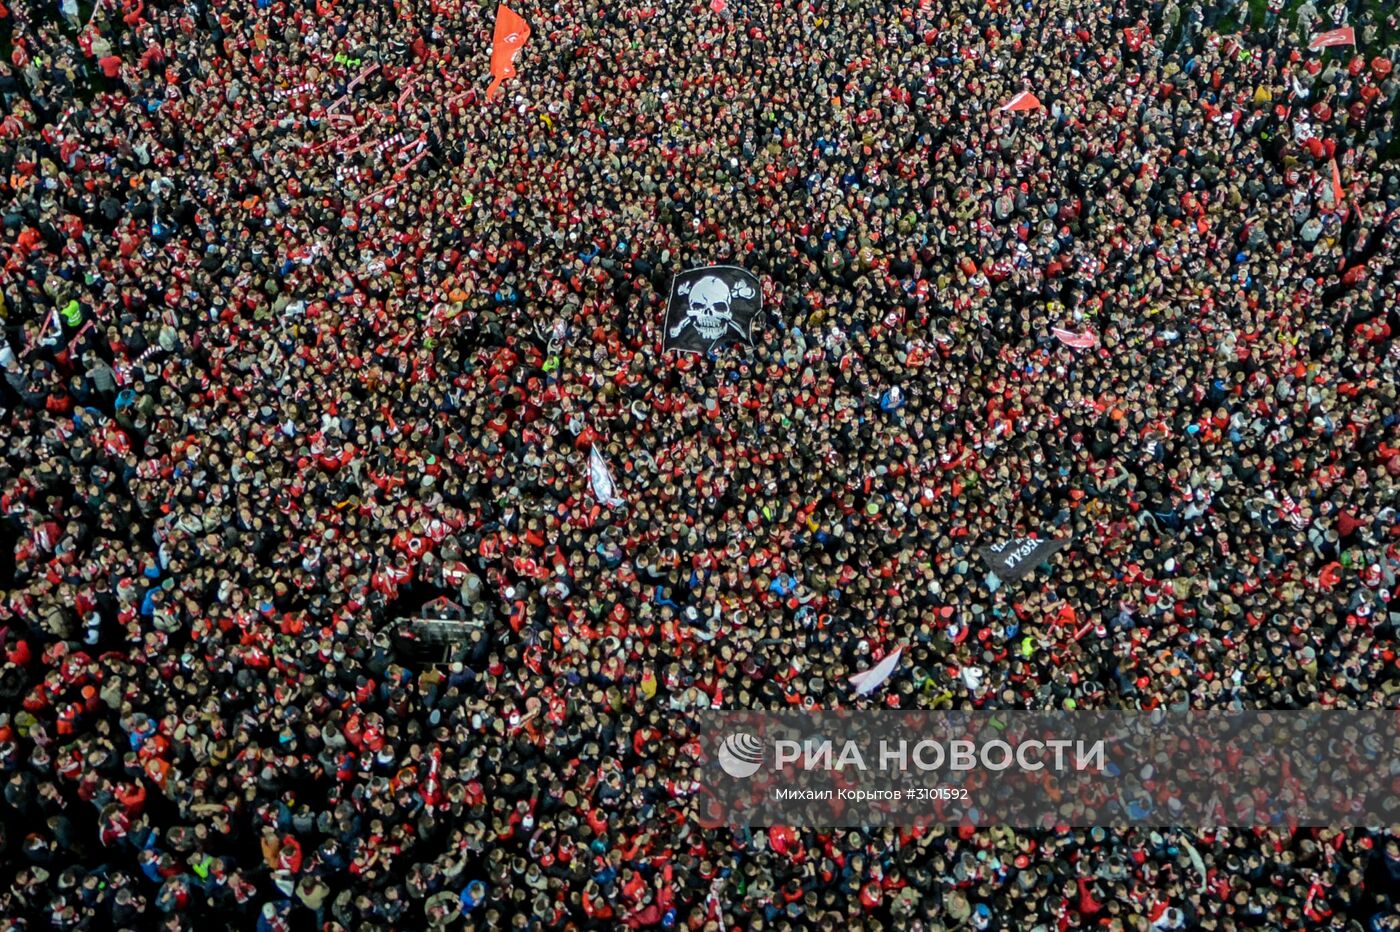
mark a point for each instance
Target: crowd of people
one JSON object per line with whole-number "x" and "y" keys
{"x": 302, "y": 330}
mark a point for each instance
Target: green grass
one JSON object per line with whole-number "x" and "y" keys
{"x": 1258, "y": 9}
{"x": 1378, "y": 9}
{"x": 47, "y": 13}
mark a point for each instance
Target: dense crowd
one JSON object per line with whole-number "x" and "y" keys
{"x": 301, "y": 330}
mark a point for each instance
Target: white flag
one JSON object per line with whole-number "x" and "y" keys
{"x": 867, "y": 681}
{"x": 602, "y": 479}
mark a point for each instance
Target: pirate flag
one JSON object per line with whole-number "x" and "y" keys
{"x": 710, "y": 305}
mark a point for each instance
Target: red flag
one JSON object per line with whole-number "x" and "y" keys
{"x": 1344, "y": 36}
{"x": 1338, "y": 192}
{"x": 1077, "y": 340}
{"x": 1022, "y": 101}
{"x": 718, "y": 6}
{"x": 509, "y": 38}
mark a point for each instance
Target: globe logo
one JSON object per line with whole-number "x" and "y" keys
{"x": 740, "y": 755}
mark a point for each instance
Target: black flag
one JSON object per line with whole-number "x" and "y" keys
{"x": 1017, "y": 557}
{"x": 709, "y": 306}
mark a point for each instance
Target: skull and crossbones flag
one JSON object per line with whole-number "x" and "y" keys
{"x": 710, "y": 305}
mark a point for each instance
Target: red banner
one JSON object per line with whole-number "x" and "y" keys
{"x": 1338, "y": 192}
{"x": 1344, "y": 36}
{"x": 1022, "y": 101}
{"x": 509, "y": 38}
{"x": 1077, "y": 340}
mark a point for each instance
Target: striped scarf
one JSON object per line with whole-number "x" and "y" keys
{"x": 298, "y": 94}
{"x": 394, "y": 140}
{"x": 1294, "y": 514}
{"x": 296, "y": 90}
